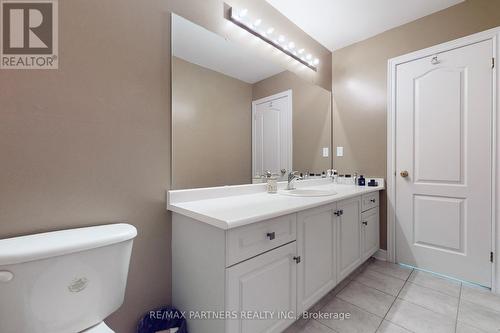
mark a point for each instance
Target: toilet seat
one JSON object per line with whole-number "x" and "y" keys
{"x": 99, "y": 328}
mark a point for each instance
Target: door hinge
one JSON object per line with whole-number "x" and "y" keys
{"x": 491, "y": 257}
{"x": 492, "y": 62}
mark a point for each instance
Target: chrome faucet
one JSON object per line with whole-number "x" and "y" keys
{"x": 292, "y": 176}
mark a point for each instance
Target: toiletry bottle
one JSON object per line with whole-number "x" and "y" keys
{"x": 361, "y": 181}
{"x": 272, "y": 183}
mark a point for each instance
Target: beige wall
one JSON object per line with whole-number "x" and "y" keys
{"x": 211, "y": 127}
{"x": 359, "y": 82}
{"x": 90, "y": 143}
{"x": 311, "y": 119}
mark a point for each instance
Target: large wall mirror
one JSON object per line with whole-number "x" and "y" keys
{"x": 237, "y": 115}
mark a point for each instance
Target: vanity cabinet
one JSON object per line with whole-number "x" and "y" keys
{"x": 349, "y": 236}
{"x": 316, "y": 242}
{"x": 274, "y": 269}
{"x": 265, "y": 284}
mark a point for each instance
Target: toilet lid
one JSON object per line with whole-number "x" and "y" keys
{"x": 101, "y": 328}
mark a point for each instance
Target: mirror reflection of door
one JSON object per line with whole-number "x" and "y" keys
{"x": 272, "y": 135}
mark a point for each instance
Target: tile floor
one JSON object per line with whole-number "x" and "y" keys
{"x": 385, "y": 298}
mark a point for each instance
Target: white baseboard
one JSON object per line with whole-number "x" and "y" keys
{"x": 381, "y": 255}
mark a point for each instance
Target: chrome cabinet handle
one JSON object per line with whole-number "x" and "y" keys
{"x": 372, "y": 200}
{"x": 271, "y": 235}
{"x": 297, "y": 259}
{"x": 365, "y": 222}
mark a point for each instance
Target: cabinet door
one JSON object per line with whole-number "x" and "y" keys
{"x": 264, "y": 285}
{"x": 316, "y": 239}
{"x": 349, "y": 234}
{"x": 370, "y": 232}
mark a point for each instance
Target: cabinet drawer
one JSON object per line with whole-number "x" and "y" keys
{"x": 369, "y": 201}
{"x": 250, "y": 240}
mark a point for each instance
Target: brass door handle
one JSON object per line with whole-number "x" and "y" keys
{"x": 404, "y": 174}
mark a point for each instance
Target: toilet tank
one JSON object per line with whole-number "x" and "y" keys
{"x": 63, "y": 281}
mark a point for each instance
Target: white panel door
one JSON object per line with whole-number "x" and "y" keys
{"x": 272, "y": 134}
{"x": 348, "y": 236}
{"x": 316, "y": 241}
{"x": 444, "y": 163}
{"x": 264, "y": 284}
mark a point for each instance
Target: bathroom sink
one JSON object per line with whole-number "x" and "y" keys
{"x": 304, "y": 192}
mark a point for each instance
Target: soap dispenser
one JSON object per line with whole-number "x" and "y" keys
{"x": 272, "y": 182}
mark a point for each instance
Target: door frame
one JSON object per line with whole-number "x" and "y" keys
{"x": 289, "y": 110}
{"x": 494, "y": 36}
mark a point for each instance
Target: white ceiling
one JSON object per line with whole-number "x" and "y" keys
{"x": 199, "y": 46}
{"x": 338, "y": 23}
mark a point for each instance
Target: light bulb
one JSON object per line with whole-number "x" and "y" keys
{"x": 270, "y": 30}
{"x": 257, "y": 22}
{"x": 281, "y": 38}
{"x": 309, "y": 57}
{"x": 316, "y": 61}
{"x": 301, "y": 51}
{"x": 243, "y": 12}
{"x": 291, "y": 45}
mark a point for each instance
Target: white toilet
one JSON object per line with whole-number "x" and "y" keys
{"x": 65, "y": 281}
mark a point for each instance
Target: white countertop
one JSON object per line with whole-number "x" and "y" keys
{"x": 234, "y": 206}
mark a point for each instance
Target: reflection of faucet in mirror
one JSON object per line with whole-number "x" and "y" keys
{"x": 292, "y": 176}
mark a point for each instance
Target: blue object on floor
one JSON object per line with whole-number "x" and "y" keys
{"x": 162, "y": 319}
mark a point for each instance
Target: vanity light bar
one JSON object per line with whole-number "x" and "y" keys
{"x": 238, "y": 19}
